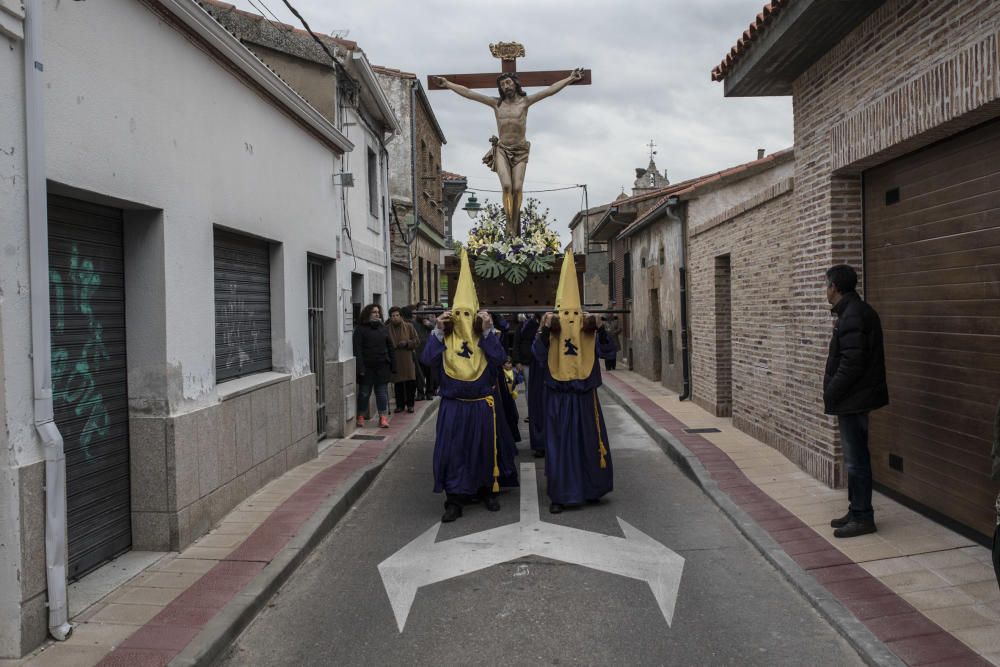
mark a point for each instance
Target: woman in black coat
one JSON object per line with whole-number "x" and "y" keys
{"x": 375, "y": 360}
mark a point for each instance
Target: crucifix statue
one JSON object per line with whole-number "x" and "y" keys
{"x": 508, "y": 156}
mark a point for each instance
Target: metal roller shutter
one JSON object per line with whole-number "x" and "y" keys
{"x": 89, "y": 377}
{"x": 932, "y": 265}
{"x": 242, "y": 306}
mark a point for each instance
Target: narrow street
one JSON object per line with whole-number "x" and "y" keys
{"x": 731, "y": 607}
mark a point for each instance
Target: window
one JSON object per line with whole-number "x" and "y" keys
{"x": 611, "y": 280}
{"x": 627, "y": 278}
{"x": 663, "y": 256}
{"x": 242, "y": 306}
{"x": 420, "y": 278}
{"x": 373, "y": 206}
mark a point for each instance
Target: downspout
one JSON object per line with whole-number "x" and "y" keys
{"x": 682, "y": 271}
{"x": 410, "y": 247}
{"x": 41, "y": 342}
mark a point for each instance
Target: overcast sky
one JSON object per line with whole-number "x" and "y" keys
{"x": 651, "y": 64}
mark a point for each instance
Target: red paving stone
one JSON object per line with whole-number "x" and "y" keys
{"x": 902, "y": 626}
{"x": 783, "y": 523}
{"x": 203, "y": 597}
{"x": 818, "y": 559}
{"x": 839, "y": 572}
{"x": 929, "y": 648}
{"x": 161, "y": 637}
{"x": 249, "y": 570}
{"x": 967, "y": 661}
{"x": 793, "y": 534}
{"x": 179, "y": 615}
{"x": 857, "y": 589}
{"x": 886, "y": 605}
{"x": 806, "y": 546}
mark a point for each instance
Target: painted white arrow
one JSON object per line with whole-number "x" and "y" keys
{"x": 423, "y": 561}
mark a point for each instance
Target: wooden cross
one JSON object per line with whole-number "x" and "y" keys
{"x": 507, "y": 53}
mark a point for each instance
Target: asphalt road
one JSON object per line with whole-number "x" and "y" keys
{"x": 732, "y": 607}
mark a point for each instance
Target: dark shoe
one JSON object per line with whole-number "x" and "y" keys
{"x": 492, "y": 503}
{"x": 398, "y": 410}
{"x": 410, "y": 409}
{"x": 855, "y": 528}
{"x": 842, "y": 521}
{"x": 538, "y": 453}
{"x": 556, "y": 508}
{"x": 451, "y": 512}
{"x": 525, "y": 420}
{"x": 593, "y": 501}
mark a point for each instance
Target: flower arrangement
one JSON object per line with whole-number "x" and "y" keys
{"x": 494, "y": 253}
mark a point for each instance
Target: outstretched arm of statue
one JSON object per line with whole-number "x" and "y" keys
{"x": 467, "y": 93}
{"x": 576, "y": 75}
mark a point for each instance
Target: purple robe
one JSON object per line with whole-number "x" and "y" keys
{"x": 468, "y": 428}
{"x": 573, "y": 420}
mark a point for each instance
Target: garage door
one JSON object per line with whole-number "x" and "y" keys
{"x": 932, "y": 263}
{"x": 90, "y": 393}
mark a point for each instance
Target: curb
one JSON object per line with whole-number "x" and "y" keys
{"x": 231, "y": 620}
{"x": 857, "y": 634}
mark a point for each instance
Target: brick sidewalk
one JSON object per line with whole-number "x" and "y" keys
{"x": 927, "y": 592}
{"x": 154, "y": 616}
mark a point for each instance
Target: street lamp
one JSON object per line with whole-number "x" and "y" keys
{"x": 472, "y": 206}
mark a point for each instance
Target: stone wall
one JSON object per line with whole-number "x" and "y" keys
{"x": 215, "y": 458}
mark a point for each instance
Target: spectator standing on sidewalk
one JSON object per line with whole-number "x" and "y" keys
{"x": 375, "y": 361}
{"x": 404, "y": 376}
{"x": 854, "y": 384}
{"x": 611, "y": 327}
{"x": 426, "y": 383}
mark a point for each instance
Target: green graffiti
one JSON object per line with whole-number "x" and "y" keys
{"x": 73, "y": 379}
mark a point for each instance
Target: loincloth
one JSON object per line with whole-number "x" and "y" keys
{"x": 515, "y": 154}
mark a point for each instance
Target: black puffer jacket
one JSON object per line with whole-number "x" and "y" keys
{"x": 854, "y": 381}
{"x": 374, "y": 354}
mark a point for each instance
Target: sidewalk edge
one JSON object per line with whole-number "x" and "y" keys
{"x": 869, "y": 647}
{"x": 229, "y": 623}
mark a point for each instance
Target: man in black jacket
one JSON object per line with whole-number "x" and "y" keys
{"x": 854, "y": 384}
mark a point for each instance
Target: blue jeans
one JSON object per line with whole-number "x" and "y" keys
{"x": 854, "y": 438}
{"x": 381, "y": 398}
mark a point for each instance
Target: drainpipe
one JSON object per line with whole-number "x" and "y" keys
{"x": 413, "y": 187}
{"x": 41, "y": 350}
{"x": 682, "y": 272}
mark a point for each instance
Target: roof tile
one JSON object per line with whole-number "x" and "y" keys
{"x": 746, "y": 40}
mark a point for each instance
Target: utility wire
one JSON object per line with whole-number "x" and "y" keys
{"x": 309, "y": 30}
{"x": 269, "y": 11}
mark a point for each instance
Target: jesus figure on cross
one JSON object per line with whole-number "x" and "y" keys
{"x": 509, "y": 155}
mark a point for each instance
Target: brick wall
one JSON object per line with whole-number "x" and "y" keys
{"x": 738, "y": 265}
{"x": 430, "y": 194}
{"x": 912, "y": 73}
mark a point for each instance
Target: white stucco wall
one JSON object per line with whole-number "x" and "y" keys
{"x": 714, "y": 202}
{"x": 15, "y": 373}
{"x": 136, "y": 112}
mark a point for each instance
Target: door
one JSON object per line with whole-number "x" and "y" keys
{"x": 317, "y": 341}
{"x": 932, "y": 270}
{"x": 657, "y": 344}
{"x": 89, "y": 377}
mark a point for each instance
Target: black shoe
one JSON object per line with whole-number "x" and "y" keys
{"x": 398, "y": 410}
{"x": 593, "y": 501}
{"x": 410, "y": 409}
{"x": 538, "y": 453}
{"x": 842, "y": 521}
{"x": 525, "y": 420}
{"x": 451, "y": 512}
{"x": 556, "y": 508}
{"x": 854, "y": 528}
{"x": 492, "y": 503}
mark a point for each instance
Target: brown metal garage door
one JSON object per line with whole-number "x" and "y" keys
{"x": 932, "y": 263}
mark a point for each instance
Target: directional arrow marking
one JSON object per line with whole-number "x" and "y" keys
{"x": 423, "y": 561}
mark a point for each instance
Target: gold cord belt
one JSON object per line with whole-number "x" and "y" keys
{"x": 600, "y": 440}
{"x": 496, "y": 466}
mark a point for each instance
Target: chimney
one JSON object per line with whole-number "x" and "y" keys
{"x": 760, "y": 153}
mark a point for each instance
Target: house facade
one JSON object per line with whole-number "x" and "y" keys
{"x": 179, "y": 272}
{"x": 897, "y": 126}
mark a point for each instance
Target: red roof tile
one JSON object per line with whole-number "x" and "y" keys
{"x": 392, "y": 71}
{"x": 448, "y": 176}
{"x": 766, "y": 16}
